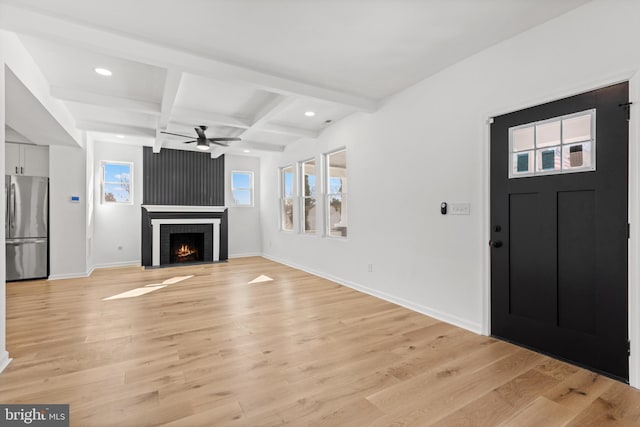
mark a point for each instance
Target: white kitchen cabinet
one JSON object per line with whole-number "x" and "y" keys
{"x": 25, "y": 159}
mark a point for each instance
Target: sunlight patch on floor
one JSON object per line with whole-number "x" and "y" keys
{"x": 135, "y": 292}
{"x": 176, "y": 280}
{"x": 147, "y": 288}
{"x": 261, "y": 279}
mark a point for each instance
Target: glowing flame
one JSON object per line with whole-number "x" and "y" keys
{"x": 185, "y": 251}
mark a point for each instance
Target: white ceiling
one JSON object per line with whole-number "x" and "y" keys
{"x": 250, "y": 68}
{"x": 24, "y": 111}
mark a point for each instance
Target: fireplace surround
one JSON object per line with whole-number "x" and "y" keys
{"x": 159, "y": 222}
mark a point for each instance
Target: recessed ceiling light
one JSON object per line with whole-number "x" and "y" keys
{"x": 119, "y": 136}
{"x": 102, "y": 71}
{"x": 246, "y": 151}
{"x": 309, "y": 113}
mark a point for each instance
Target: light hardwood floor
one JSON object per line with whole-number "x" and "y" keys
{"x": 214, "y": 350}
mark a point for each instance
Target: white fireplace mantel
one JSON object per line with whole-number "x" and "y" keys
{"x": 179, "y": 208}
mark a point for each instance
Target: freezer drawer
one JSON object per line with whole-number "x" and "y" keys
{"x": 26, "y": 259}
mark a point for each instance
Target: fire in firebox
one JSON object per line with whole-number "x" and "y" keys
{"x": 186, "y": 247}
{"x": 186, "y": 253}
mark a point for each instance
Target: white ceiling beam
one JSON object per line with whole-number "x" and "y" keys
{"x": 98, "y": 126}
{"x": 192, "y": 118}
{"x": 108, "y": 101}
{"x": 218, "y": 151}
{"x": 289, "y": 130}
{"x": 262, "y": 146}
{"x": 169, "y": 93}
{"x": 157, "y": 142}
{"x": 26, "y": 21}
{"x": 272, "y": 108}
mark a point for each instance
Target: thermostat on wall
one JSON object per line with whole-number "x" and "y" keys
{"x": 75, "y": 199}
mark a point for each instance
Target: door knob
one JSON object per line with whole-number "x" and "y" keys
{"x": 495, "y": 243}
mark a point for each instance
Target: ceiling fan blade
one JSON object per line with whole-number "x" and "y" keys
{"x": 177, "y": 134}
{"x": 219, "y": 143}
{"x": 189, "y": 142}
{"x": 223, "y": 139}
{"x": 200, "y": 132}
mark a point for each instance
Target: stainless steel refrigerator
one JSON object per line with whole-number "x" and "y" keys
{"x": 26, "y": 220}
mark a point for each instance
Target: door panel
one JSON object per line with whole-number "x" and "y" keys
{"x": 559, "y": 278}
{"x": 531, "y": 283}
{"x": 576, "y": 260}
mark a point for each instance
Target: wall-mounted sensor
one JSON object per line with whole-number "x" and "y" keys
{"x": 443, "y": 208}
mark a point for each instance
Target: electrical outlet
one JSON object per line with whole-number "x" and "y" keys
{"x": 462, "y": 208}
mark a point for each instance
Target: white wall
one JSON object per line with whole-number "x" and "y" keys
{"x": 22, "y": 64}
{"x": 116, "y": 227}
{"x": 14, "y": 56}
{"x": 67, "y": 220}
{"x": 245, "y": 233}
{"x": 429, "y": 144}
{"x": 4, "y": 355}
{"x": 89, "y": 201}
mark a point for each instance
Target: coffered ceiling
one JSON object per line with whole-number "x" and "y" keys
{"x": 249, "y": 68}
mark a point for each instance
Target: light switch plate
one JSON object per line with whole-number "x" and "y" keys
{"x": 461, "y": 208}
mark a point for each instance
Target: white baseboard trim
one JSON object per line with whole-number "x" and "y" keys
{"x": 245, "y": 255}
{"x": 134, "y": 263}
{"x": 428, "y": 311}
{"x": 69, "y": 276}
{"x": 4, "y": 360}
{"x": 90, "y": 271}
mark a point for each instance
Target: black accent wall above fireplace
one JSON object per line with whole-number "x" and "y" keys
{"x": 186, "y": 178}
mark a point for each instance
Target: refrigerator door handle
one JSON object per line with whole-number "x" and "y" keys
{"x": 13, "y": 205}
{"x": 16, "y": 242}
{"x": 6, "y": 205}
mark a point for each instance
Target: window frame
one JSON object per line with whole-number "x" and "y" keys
{"x": 327, "y": 194}
{"x": 282, "y": 197}
{"x": 303, "y": 196}
{"x": 251, "y": 188}
{"x": 104, "y": 182}
{"x": 560, "y": 146}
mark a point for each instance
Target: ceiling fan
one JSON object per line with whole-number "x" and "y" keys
{"x": 202, "y": 140}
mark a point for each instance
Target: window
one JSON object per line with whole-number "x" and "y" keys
{"x": 308, "y": 200}
{"x": 242, "y": 188}
{"x": 336, "y": 198}
{"x": 286, "y": 198}
{"x": 562, "y": 144}
{"x": 116, "y": 182}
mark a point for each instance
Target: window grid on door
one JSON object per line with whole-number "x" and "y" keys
{"x": 563, "y": 144}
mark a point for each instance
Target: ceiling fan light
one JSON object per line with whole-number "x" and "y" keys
{"x": 204, "y": 146}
